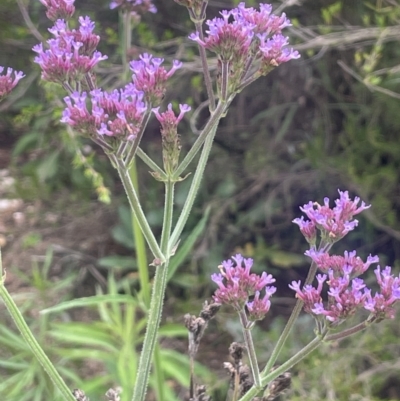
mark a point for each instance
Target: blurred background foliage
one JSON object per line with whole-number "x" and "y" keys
{"x": 329, "y": 120}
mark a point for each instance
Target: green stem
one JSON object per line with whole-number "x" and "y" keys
{"x": 293, "y": 317}
{"x": 282, "y": 339}
{"x": 137, "y": 210}
{"x": 140, "y": 246}
{"x": 33, "y": 344}
{"x": 211, "y": 126}
{"x": 168, "y": 215}
{"x": 206, "y": 70}
{"x": 198, "y": 175}
{"x": 133, "y": 149}
{"x": 126, "y": 41}
{"x": 153, "y": 323}
{"x": 150, "y": 349}
{"x": 250, "y": 348}
{"x": 349, "y": 332}
{"x": 268, "y": 377}
{"x": 150, "y": 163}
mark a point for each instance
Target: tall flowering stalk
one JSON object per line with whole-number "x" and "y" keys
{"x": 248, "y": 44}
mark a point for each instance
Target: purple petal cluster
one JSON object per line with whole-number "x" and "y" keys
{"x": 8, "y": 81}
{"x": 347, "y": 294}
{"x": 150, "y": 77}
{"x": 230, "y": 40}
{"x": 59, "y": 9}
{"x": 71, "y": 54}
{"x": 117, "y": 114}
{"x": 136, "y": 7}
{"x": 350, "y": 263}
{"x": 381, "y": 304}
{"x": 333, "y": 223}
{"x": 169, "y": 134}
{"x": 168, "y": 119}
{"x": 236, "y": 285}
{"x": 246, "y": 36}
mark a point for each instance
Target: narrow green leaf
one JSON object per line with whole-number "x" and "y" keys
{"x": 90, "y": 301}
{"x": 185, "y": 248}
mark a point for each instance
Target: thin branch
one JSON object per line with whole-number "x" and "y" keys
{"x": 28, "y": 21}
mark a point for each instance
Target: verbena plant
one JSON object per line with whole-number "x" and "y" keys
{"x": 248, "y": 44}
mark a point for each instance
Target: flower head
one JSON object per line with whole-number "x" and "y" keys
{"x": 116, "y": 115}
{"x": 249, "y": 41}
{"x": 236, "y": 284}
{"x": 71, "y": 54}
{"x": 333, "y": 223}
{"x": 8, "y": 81}
{"x": 170, "y": 138}
{"x": 349, "y": 263}
{"x": 56, "y": 9}
{"x": 135, "y": 7}
{"x": 309, "y": 295}
{"x": 381, "y": 304}
{"x": 345, "y": 296}
{"x": 150, "y": 77}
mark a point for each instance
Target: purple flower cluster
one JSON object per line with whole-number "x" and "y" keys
{"x": 380, "y": 305}
{"x": 346, "y": 295}
{"x": 135, "y": 7}
{"x": 169, "y": 121}
{"x": 236, "y": 285}
{"x": 118, "y": 114}
{"x": 346, "y": 292}
{"x": 244, "y": 37}
{"x": 334, "y": 223}
{"x": 57, "y": 9}
{"x": 349, "y": 263}
{"x": 8, "y": 82}
{"x": 71, "y": 54}
{"x": 149, "y": 76}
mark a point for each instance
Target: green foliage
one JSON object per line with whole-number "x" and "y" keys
{"x": 23, "y": 377}
{"x": 113, "y": 341}
{"x": 358, "y": 368}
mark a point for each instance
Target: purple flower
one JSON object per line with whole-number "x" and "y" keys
{"x": 309, "y": 295}
{"x": 334, "y": 223}
{"x": 150, "y": 77}
{"x": 258, "y": 307}
{"x": 169, "y": 134}
{"x": 263, "y": 20}
{"x": 308, "y": 229}
{"x": 345, "y": 296}
{"x": 273, "y": 52}
{"x": 236, "y": 284}
{"x": 135, "y": 7}
{"x": 71, "y": 54}
{"x": 348, "y": 264}
{"x": 229, "y": 40}
{"x": 381, "y": 305}
{"x": 168, "y": 119}
{"x": 248, "y": 41}
{"x": 118, "y": 114}
{"x": 56, "y": 9}
{"x": 8, "y": 82}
